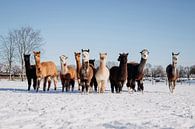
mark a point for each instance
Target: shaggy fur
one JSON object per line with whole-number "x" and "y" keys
{"x": 46, "y": 71}
{"x": 30, "y": 72}
{"x": 118, "y": 74}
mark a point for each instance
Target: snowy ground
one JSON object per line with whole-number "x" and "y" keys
{"x": 155, "y": 109}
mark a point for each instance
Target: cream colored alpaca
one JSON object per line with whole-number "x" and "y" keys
{"x": 102, "y": 73}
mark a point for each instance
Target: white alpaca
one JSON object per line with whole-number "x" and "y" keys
{"x": 102, "y": 73}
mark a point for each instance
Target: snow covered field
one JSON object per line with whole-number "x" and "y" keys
{"x": 155, "y": 109}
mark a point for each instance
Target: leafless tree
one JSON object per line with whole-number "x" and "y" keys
{"x": 8, "y": 51}
{"x": 26, "y": 40}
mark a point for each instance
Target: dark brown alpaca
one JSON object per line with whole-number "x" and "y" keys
{"x": 30, "y": 71}
{"x": 136, "y": 72}
{"x": 118, "y": 74}
{"x": 172, "y": 72}
{"x": 86, "y": 72}
{"x": 93, "y": 80}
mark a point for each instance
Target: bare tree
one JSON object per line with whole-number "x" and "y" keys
{"x": 8, "y": 51}
{"x": 26, "y": 40}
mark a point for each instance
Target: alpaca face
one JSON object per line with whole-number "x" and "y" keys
{"x": 123, "y": 57}
{"x": 63, "y": 59}
{"x": 175, "y": 58}
{"x": 144, "y": 54}
{"x": 27, "y": 58}
{"x": 37, "y": 56}
{"x": 103, "y": 57}
{"x": 77, "y": 56}
{"x": 85, "y": 55}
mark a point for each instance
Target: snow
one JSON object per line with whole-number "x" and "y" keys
{"x": 156, "y": 108}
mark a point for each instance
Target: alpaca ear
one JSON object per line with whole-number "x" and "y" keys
{"x": 172, "y": 53}
{"x": 34, "y": 52}
{"x": 178, "y": 53}
{"x": 88, "y": 50}
{"x": 127, "y": 54}
{"x": 82, "y": 50}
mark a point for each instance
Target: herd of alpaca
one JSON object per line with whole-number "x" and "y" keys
{"x": 88, "y": 76}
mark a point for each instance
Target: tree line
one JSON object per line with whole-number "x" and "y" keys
{"x": 16, "y": 43}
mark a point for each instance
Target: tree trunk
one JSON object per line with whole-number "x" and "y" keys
{"x": 22, "y": 76}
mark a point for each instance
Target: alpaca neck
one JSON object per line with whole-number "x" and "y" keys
{"x": 27, "y": 65}
{"x": 142, "y": 65}
{"x": 78, "y": 65}
{"x": 123, "y": 70}
{"x": 64, "y": 68}
{"x": 102, "y": 64}
{"x": 38, "y": 63}
{"x": 174, "y": 68}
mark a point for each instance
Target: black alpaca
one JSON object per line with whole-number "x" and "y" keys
{"x": 136, "y": 72}
{"x": 118, "y": 74}
{"x": 93, "y": 80}
{"x": 30, "y": 72}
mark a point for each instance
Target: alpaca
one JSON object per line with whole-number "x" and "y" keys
{"x": 118, "y": 74}
{"x": 136, "y": 72}
{"x": 102, "y": 73}
{"x": 78, "y": 67}
{"x": 30, "y": 72}
{"x": 67, "y": 74}
{"x": 86, "y": 72}
{"x": 93, "y": 80}
{"x": 46, "y": 71}
{"x": 172, "y": 72}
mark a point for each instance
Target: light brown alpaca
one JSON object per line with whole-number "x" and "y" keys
{"x": 78, "y": 67}
{"x": 46, "y": 71}
{"x": 67, "y": 74}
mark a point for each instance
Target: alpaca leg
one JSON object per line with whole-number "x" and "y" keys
{"x": 99, "y": 86}
{"x": 44, "y": 83}
{"x": 38, "y": 84}
{"x": 34, "y": 83}
{"x": 112, "y": 86}
{"x": 133, "y": 86}
{"x": 63, "y": 85}
{"x": 170, "y": 86}
{"x": 49, "y": 83}
{"x": 95, "y": 85}
{"x": 82, "y": 86}
{"x": 55, "y": 82}
{"x": 29, "y": 83}
{"x": 87, "y": 86}
{"x": 72, "y": 83}
{"x": 103, "y": 86}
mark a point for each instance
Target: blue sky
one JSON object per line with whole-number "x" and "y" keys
{"x": 111, "y": 26}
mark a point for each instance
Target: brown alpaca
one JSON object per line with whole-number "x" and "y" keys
{"x": 172, "y": 72}
{"x": 78, "y": 67}
{"x": 136, "y": 72}
{"x": 118, "y": 74}
{"x": 67, "y": 74}
{"x": 86, "y": 72}
{"x": 46, "y": 71}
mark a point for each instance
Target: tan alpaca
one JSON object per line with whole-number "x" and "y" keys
{"x": 102, "y": 73}
{"x": 46, "y": 71}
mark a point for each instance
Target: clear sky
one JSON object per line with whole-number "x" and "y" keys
{"x": 111, "y": 26}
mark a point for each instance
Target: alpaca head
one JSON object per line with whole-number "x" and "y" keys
{"x": 92, "y": 61}
{"x": 63, "y": 59}
{"x": 123, "y": 57}
{"x": 77, "y": 56}
{"x": 175, "y": 58}
{"x": 27, "y": 57}
{"x": 37, "y": 56}
{"x": 85, "y": 55}
{"x": 103, "y": 57}
{"x": 144, "y": 54}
